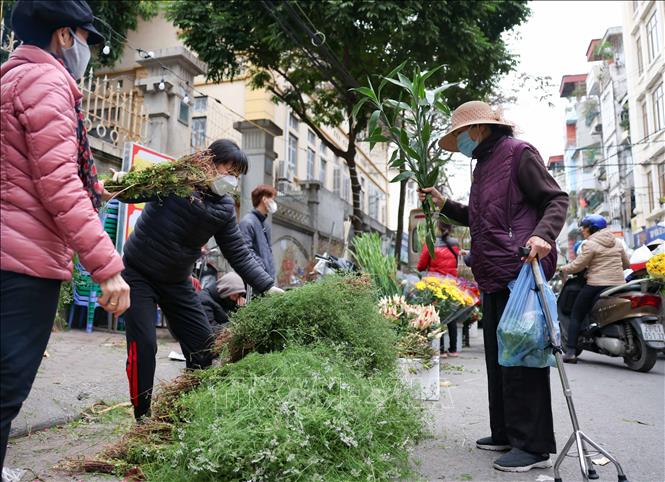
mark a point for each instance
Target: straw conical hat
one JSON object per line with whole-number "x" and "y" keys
{"x": 467, "y": 114}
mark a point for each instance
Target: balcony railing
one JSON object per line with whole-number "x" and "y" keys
{"x": 112, "y": 114}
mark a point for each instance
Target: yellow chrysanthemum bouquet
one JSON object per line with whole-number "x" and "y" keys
{"x": 444, "y": 293}
{"x": 656, "y": 267}
{"x": 656, "y": 270}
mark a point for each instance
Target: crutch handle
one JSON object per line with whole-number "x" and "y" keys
{"x": 524, "y": 251}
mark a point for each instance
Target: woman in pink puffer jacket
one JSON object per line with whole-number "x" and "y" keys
{"x": 49, "y": 191}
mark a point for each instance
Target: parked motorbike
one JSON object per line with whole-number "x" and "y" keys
{"x": 327, "y": 264}
{"x": 624, "y": 322}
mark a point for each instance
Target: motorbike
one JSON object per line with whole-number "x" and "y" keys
{"x": 623, "y": 322}
{"x": 328, "y": 264}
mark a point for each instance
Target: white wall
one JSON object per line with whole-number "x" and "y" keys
{"x": 649, "y": 147}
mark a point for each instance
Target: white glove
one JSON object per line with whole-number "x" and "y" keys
{"x": 117, "y": 175}
{"x": 275, "y": 291}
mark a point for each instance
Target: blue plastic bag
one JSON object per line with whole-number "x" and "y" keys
{"x": 523, "y": 337}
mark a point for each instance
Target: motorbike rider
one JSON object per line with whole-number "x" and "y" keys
{"x": 604, "y": 259}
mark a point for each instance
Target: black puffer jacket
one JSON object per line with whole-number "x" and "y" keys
{"x": 169, "y": 234}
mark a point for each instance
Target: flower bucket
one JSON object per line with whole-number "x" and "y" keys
{"x": 424, "y": 382}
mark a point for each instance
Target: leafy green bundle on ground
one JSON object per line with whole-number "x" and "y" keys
{"x": 383, "y": 269}
{"x": 300, "y": 414}
{"x": 335, "y": 310}
{"x": 180, "y": 178}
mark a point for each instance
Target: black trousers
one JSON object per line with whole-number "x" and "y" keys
{"x": 452, "y": 336}
{"x": 27, "y": 309}
{"x": 581, "y": 308}
{"x": 182, "y": 307}
{"x": 520, "y": 400}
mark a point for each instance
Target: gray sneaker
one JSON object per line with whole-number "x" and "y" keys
{"x": 488, "y": 443}
{"x": 518, "y": 460}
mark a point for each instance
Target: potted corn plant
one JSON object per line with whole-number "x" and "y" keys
{"x": 413, "y": 123}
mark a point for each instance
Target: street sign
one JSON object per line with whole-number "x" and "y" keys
{"x": 135, "y": 157}
{"x": 650, "y": 234}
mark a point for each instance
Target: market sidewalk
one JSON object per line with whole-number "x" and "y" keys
{"x": 619, "y": 408}
{"x": 81, "y": 369}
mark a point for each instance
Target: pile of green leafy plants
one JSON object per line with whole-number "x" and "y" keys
{"x": 299, "y": 414}
{"x": 382, "y": 269}
{"x": 179, "y": 178}
{"x": 339, "y": 310}
{"x": 307, "y": 390}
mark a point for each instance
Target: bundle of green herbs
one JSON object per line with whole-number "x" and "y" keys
{"x": 300, "y": 414}
{"x": 381, "y": 268}
{"x": 336, "y": 310}
{"x": 180, "y": 178}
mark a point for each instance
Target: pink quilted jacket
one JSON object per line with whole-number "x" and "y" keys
{"x": 45, "y": 212}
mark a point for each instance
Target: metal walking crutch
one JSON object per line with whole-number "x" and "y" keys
{"x": 579, "y": 438}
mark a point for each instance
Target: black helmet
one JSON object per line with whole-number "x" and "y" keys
{"x": 34, "y": 21}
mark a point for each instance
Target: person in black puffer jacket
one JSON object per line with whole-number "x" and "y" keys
{"x": 159, "y": 256}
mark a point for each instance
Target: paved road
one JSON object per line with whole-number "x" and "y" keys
{"x": 83, "y": 368}
{"x": 621, "y": 409}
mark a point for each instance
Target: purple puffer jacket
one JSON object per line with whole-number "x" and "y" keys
{"x": 499, "y": 217}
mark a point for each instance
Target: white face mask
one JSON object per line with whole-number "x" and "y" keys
{"x": 76, "y": 57}
{"x": 224, "y": 184}
{"x": 272, "y": 206}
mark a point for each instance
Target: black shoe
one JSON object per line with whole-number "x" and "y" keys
{"x": 521, "y": 461}
{"x": 569, "y": 356}
{"x": 488, "y": 443}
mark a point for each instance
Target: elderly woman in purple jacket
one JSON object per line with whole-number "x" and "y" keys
{"x": 513, "y": 202}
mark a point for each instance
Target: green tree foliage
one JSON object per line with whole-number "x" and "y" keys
{"x": 310, "y": 54}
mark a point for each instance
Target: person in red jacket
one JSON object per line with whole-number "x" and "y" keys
{"x": 446, "y": 255}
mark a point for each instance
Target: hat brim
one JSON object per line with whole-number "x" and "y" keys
{"x": 449, "y": 143}
{"x": 94, "y": 37}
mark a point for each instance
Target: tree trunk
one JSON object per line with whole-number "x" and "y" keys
{"x": 400, "y": 222}
{"x": 357, "y": 218}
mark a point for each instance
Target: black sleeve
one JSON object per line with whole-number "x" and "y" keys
{"x": 458, "y": 212}
{"x": 232, "y": 243}
{"x": 542, "y": 191}
{"x": 220, "y": 315}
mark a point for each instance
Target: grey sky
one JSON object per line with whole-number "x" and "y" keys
{"x": 553, "y": 42}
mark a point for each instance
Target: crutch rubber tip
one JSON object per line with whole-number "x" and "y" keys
{"x": 623, "y": 478}
{"x": 593, "y": 475}
{"x": 558, "y": 480}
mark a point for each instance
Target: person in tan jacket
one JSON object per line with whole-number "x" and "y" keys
{"x": 604, "y": 259}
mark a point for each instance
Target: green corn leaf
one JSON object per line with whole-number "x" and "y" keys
{"x": 427, "y": 132}
{"x": 366, "y": 91}
{"x": 391, "y": 74}
{"x": 402, "y": 176}
{"x": 358, "y": 106}
{"x": 397, "y": 105}
{"x": 373, "y": 120}
{"x": 405, "y": 82}
{"x": 428, "y": 73}
{"x": 430, "y": 245}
